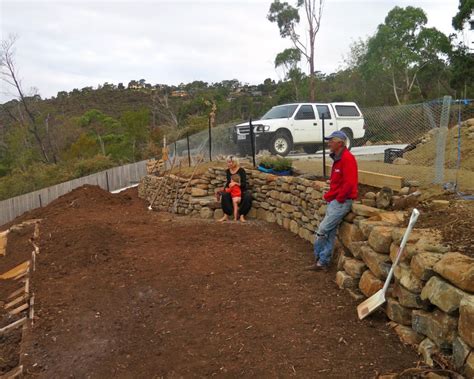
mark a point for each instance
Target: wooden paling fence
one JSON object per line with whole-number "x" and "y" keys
{"x": 110, "y": 180}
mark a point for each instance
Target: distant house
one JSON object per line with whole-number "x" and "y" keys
{"x": 179, "y": 93}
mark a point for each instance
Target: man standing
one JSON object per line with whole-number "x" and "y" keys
{"x": 342, "y": 191}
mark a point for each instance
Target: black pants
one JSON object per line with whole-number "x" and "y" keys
{"x": 244, "y": 207}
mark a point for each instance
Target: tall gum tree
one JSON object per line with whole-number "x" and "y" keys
{"x": 287, "y": 18}
{"x": 403, "y": 46}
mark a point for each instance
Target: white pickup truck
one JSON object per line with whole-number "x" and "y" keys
{"x": 287, "y": 126}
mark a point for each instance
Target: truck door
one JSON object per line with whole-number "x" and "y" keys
{"x": 330, "y": 124}
{"x": 305, "y": 125}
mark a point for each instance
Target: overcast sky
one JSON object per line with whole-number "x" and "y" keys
{"x": 73, "y": 44}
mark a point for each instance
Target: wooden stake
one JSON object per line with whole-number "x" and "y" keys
{"x": 21, "y": 308}
{"x": 13, "y": 325}
{"x": 16, "y": 301}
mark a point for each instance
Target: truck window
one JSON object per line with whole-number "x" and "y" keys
{"x": 306, "y": 112}
{"x": 323, "y": 110}
{"x": 347, "y": 111}
{"x": 281, "y": 111}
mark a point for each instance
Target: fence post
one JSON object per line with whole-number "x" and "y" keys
{"x": 252, "y": 141}
{"x": 210, "y": 140}
{"x": 324, "y": 147}
{"x": 107, "y": 180}
{"x": 189, "y": 152}
{"x": 441, "y": 141}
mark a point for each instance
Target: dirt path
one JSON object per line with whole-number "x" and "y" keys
{"x": 123, "y": 292}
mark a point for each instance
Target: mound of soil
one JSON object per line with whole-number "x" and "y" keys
{"x": 425, "y": 153}
{"x": 455, "y": 222}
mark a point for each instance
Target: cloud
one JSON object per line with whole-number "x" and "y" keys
{"x": 73, "y": 44}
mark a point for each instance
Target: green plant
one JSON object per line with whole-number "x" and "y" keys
{"x": 282, "y": 164}
{"x": 266, "y": 162}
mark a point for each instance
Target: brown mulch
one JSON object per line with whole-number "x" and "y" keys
{"x": 121, "y": 291}
{"x": 456, "y": 224}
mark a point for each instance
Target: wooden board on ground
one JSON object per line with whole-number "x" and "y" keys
{"x": 18, "y": 270}
{"x": 3, "y": 242}
{"x": 375, "y": 179}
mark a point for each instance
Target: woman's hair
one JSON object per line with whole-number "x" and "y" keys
{"x": 233, "y": 159}
{"x": 236, "y": 178}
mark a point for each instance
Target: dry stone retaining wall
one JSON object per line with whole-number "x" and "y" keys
{"x": 431, "y": 302}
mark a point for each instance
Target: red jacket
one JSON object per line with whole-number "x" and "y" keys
{"x": 343, "y": 182}
{"x": 235, "y": 191}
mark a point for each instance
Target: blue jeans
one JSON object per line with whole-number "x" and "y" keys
{"x": 326, "y": 233}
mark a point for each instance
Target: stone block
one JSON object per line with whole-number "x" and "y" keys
{"x": 288, "y": 208}
{"x": 198, "y": 192}
{"x": 349, "y": 233}
{"x": 354, "y": 267}
{"x": 422, "y": 264}
{"x": 460, "y": 353}
{"x": 364, "y": 210}
{"x": 409, "y": 299}
{"x": 369, "y": 283}
{"x": 354, "y": 248}
{"x": 457, "y": 269}
{"x": 206, "y": 213}
{"x": 442, "y": 294}
{"x": 369, "y": 202}
{"x": 405, "y": 257}
{"x": 366, "y": 225}
{"x": 408, "y": 336}
{"x": 218, "y": 213}
{"x": 270, "y": 217}
{"x": 398, "y": 233}
{"x": 469, "y": 366}
{"x": 343, "y": 280}
{"x": 350, "y": 217}
{"x": 427, "y": 349}
{"x": 377, "y": 263}
{"x": 407, "y": 279}
{"x": 438, "y": 326}
{"x": 466, "y": 320}
{"x": 380, "y": 239}
{"x": 398, "y": 313}
{"x": 294, "y": 228}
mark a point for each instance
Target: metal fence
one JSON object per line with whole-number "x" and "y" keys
{"x": 426, "y": 135}
{"x": 110, "y": 180}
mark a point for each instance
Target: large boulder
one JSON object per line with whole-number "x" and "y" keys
{"x": 466, "y": 320}
{"x": 460, "y": 352}
{"x": 442, "y": 294}
{"x": 369, "y": 283}
{"x": 398, "y": 313}
{"x": 422, "y": 264}
{"x": 438, "y": 326}
{"x": 354, "y": 267}
{"x": 384, "y": 198}
{"x": 458, "y": 269}
{"x": 343, "y": 280}
{"x": 408, "y": 336}
{"x": 408, "y": 299}
{"x": 406, "y": 278}
{"x": 349, "y": 233}
{"x": 380, "y": 239}
{"x": 364, "y": 210}
{"x": 377, "y": 263}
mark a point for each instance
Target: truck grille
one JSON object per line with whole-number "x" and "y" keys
{"x": 243, "y": 130}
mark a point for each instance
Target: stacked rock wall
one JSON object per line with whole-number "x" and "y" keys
{"x": 431, "y": 302}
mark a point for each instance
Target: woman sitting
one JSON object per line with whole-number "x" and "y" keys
{"x": 233, "y": 168}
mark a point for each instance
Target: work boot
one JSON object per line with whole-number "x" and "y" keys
{"x": 317, "y": 267}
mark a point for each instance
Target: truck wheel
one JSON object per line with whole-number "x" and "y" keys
{"x": 281, "y": 144}
{"x": 311, "y": 149}
{"x": 350, "y": 138}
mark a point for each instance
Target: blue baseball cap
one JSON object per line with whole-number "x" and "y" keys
{"x": 337, "y": 134}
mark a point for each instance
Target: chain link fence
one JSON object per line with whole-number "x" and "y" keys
{"x": 420, "y": 142}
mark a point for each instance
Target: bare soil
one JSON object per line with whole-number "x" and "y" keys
{"x": 456, "y": 223}
{"x": 124, "y": 292}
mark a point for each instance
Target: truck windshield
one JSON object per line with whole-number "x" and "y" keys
{"x": 281, "y": 111}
